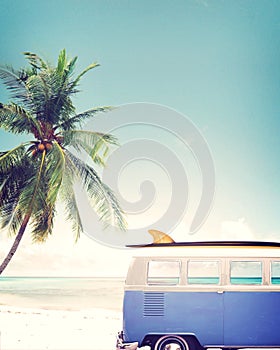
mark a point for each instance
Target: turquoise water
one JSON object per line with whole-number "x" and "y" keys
{"x": 76, "y": 293}
{"x": 203, "y": 280}
{"x": 62, "y": 293}
{"x": 246, "y": 280}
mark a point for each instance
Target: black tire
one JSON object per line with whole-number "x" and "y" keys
{"x": 172, "y": 342}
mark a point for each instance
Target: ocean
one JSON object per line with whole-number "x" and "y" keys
{"x": 62, "y": 293}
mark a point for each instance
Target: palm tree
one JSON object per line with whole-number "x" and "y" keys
{"x": 37, "y": 173}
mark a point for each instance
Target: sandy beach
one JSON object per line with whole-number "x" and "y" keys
{"x": 60, "y": 313}
{"x": 26, "y": 328}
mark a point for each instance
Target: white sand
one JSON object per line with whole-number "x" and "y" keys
{"x": 25, "y": 328}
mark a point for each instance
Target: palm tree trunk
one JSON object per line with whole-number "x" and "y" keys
{"x": 15, "y": 244}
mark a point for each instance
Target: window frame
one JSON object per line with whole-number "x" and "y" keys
{"x": 249, "y": 260}
{"x": 201, "y": 260}
{"x": 162, "y": 260}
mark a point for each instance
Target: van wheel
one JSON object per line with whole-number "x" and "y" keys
{"x": 171, "y": 342}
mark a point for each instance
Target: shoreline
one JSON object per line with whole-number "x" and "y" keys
{"x": 59, "y": 303}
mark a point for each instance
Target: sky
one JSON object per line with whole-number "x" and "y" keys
{"x": 215, "y": 62}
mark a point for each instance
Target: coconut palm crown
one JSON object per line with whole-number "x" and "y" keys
{"x": 36, "y": 173}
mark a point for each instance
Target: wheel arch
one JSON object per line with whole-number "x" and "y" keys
{"x": 152, "y": 339}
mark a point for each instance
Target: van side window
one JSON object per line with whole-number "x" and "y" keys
{"x": 203, "y": 272}
{"x": 275, "y": 272}
{"x": 246, "y": 272}
{"x": 162, "y": 272}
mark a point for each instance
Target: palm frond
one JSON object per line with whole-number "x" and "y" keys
{"x": 57, "y": 90}
{"x": 35, "y": 61}
{"x": 33, "y": 201}
{"x": 13, "y": 180}
{"x": 12, "y": 158}
{"x": 16, "y": 119}
{"x": 8, "y": 203}
{"x": 68, "y": 197}
{"x": 61, "y": 107}
{"x": 91, "y": 112}
{"x": 95, "y": 144}
{"x": 55, "y": 167}
{"x": 43, "y": 212}
{"x": 15, "y": 222}
{"x": 50, "y": 95}
{"x": 14, "y": 80}
{"x": 65, "y": 68}
{"x": 77, "y": 80}
{"x": 62, "y": 61}
{"x": 102, "y": 198}
{"x": 70, "y": 66}
{"x": 33, "y": 195}
{"x": 39, "y": 93}
{"x": 69, "y": 123}
{"x": 42, "y": 223}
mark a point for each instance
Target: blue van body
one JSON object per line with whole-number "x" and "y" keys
{"x": 192, "y": 313}
{"x": 229, "y": 319}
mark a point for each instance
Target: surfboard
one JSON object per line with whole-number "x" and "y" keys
{"x": 161, "y": 239}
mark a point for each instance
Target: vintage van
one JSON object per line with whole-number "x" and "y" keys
{"x": 189, "y": 296}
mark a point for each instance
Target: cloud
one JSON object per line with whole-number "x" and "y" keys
{"x": 229, "y": 230}
{"x": 270, "y": 236}
{"x": 61, "y": 256}
{"x": 236, "y": 230}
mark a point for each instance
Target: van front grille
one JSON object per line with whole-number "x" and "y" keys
{"x": 153, "y": 304}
